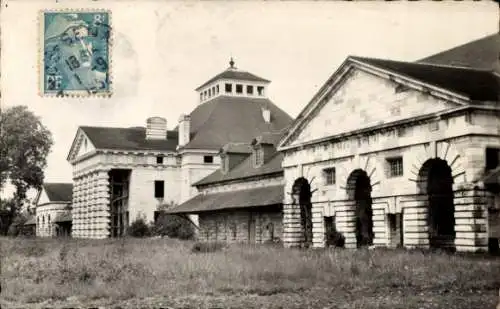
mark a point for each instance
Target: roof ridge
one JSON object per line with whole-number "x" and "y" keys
{"x": 360, "y": 58}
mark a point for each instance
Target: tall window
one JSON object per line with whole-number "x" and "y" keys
{"x": 224, "y": 165}
{"x": 395, "y": 167}
{"x": 159, "y": 189}
{"x": 239, "y": 88}
{"x": 329, "y": 176}
{"x": 250, "y": 89}
{"x": 260, "y": 90}
{"x": 217, "y": 89}
{"x": 208, "y": 159}
{"x": 258, "y": 157}
{"x": 492, "y": 158}
{"x": 229, "y": 88}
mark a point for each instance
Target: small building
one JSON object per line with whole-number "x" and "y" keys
{"x": 241, "y": 202}
{"x": 53, "y": 210}
{"x": 397, "y": 154}
{"x": 29, "y": 227}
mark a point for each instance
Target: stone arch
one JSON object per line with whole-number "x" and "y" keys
{"x": 435, "y": 180}
{"x": 445, "y": 151}
{"x": 359, "y": 189}
{"x": 365, "y": 163}
{"x": 301, "y": 195}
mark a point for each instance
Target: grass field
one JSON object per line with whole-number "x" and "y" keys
{"x": 167, "y": 273}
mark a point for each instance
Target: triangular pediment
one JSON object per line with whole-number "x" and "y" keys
{"x": 81, "y": 146}
{"x": 43, "y": 199}
{"x": 354, "y": 99}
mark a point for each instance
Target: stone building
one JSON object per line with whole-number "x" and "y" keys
{"x": 241, "y": 202}
{"x": 53, "y": 210}
{"x": 399, "y": 154}
{"x": 121, "y": 173}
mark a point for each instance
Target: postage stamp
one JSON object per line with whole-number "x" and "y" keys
{"x": 75, "y": 55}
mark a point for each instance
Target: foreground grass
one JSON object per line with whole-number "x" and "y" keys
{"x": 166, "y": 273}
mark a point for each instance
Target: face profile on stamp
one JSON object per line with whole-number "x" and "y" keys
{"x": 75, "y": 53}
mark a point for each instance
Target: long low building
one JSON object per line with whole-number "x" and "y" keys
{"x": 242, "y": 201}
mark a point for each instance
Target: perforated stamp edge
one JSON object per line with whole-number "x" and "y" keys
{"x": 41, "y": 56}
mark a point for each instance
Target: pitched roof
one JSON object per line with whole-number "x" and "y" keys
{"x": 255, "y": 197}
{"x": 479, "y": 54}
{"x": 241, "y": 148}
{"x": 245, "y": 170}
{"x": 236, "y": 75}
{"x": 226, "y": 119}
{"x": 133, "y": 138}
{"x": 59, "y": 192}
{"x": 481, "y": 85}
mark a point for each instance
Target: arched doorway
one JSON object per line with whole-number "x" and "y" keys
{"x": 301, "y": 195}
{"x": 359, "y": 189}
{"x": 436, "y": 180}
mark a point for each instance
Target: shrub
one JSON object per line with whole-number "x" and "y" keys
{"x": 336, "y": 239}
{"x": 208, "y": 247}
{"x": 173, "y": 226}
{"x": 139, "y": 228}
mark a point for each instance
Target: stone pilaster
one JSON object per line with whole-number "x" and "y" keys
{"x": 345, "y": 222}
{"x": 471, "y": 219}
{"x": 415, "y": 227}
{"x": 379, "y": 226}
{"x": 318, "y": 226}
{"x": 292, "y": 230}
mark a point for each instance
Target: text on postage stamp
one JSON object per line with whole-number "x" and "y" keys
{"x": 76, "y": 52}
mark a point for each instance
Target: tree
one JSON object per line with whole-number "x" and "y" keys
{"x": 24, "y": 146}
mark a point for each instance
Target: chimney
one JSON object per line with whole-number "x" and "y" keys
{"x": 266, "y": 114}
{"x": 184, "y": 129}
{"x": 156, "y": 128}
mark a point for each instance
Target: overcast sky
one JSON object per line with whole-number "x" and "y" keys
{"x": 163, "y": 50}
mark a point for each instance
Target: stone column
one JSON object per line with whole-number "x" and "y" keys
{"x": 471, "y": 206}
{"x": 102, "y": 205}
{"x": 415, "y": 227}
{"x": 345, "y": 221}
{"x": 76, "y": 212}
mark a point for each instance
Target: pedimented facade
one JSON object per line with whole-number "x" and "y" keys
{"x": 395, "y": 154}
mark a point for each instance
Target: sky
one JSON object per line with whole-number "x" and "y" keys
{"x": 163, "y": 50}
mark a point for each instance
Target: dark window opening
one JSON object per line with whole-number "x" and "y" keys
{"x": 239, "y": 88}
{"x": 392, "y": 221}
{"x": 159, "y": 160}
{"x": 492, "y": 158}
{"x": 229, "y": 88}
{"x": 260, "y": 90}
{"x": 201, "y": 96}
{"x": 159, "y": 189}
{"x": 329, "y": 174}
{"x": 208, "y": 159}
{"x": 250, "y": 89}
{"x": 217, "y": 89}
{"x": 395, "y": 167}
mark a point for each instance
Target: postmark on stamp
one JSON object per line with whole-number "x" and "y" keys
{"x": 75, "y": 55}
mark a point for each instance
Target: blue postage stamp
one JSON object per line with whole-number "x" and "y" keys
{"x": 75, "y": 53}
